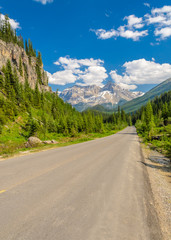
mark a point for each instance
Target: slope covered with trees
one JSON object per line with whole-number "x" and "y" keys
{"x": 135, "y": 104}
{"x": 26, "y": 111}
{"x": 153, "y": 122}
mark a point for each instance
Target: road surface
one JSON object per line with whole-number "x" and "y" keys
{"x": 97, "y": 190}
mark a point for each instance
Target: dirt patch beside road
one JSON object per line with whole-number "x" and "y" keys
{"x": 159, "y": 170}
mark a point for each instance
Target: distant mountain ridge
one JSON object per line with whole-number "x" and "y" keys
{"x": 135, "y": 104}
{"x": 109, "y": 96}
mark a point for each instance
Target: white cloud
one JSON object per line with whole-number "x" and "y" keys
{"x": 159, "y": 18}
{"x": 134, "y": 35}
{"x": 103, "y": 34}
{"x": 122, "y": 31}
{"x": 94, "y": 75}
{"x": 62, "y": 77}
{"x": 142, "y": 72}
{"x": 14, "y": 24}
{"x": 164, "y": 9}
{"x": 163, "y": 33}
{"x": 44, "y": 2}
{"x": 127, "y": 87}
{"x": 134, "y": 22}
{"x": 147, "y": 5}
{"x": 128, "y": 31}
{"x": 154, "y": 19}
{"x": 89, "y": 71}
{"x": 108, "y": 13}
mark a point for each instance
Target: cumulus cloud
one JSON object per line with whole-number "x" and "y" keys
{"x": 132, "y": 34}
{"x": 62, "y": 77}
{"x": 14, "y": 24}
{"x": 134, "y": 22}
{"x": 142, "y": 72}
{"x": 44, "y": 2}
{"x": 159, "y": 18}
{"x": 163, "y": 33}
{"x": 88, "y": 71}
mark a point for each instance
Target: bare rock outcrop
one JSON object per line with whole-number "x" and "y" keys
{"x": 13, "y": 52}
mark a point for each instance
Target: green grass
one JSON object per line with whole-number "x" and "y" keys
{"x": 13, "y": 138}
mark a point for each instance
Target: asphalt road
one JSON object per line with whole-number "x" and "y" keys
{"x": 97, "y": 190}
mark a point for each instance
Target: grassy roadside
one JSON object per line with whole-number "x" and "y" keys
{"x": 159, "y": 141}
{"x": 10, "y": 145}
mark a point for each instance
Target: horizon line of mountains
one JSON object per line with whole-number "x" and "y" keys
{"x": 28, "y": 66}
{"x": 108, "y": 97}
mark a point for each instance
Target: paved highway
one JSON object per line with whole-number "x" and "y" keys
{"x": 97, "y": 190}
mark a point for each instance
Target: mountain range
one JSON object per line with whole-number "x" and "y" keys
{"x": 109, "y": 96}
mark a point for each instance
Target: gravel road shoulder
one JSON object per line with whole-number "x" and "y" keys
{"x": 159, "y": 171}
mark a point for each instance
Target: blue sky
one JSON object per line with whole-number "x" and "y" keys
{"x": 93, "y": 41}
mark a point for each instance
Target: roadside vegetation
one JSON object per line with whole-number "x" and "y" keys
{"x": 26, "y": 112}
{"x": 153, "y": 123}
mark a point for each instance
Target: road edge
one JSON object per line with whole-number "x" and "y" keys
{"x": 159, "y": 191}
{"x": 153, "y": 217}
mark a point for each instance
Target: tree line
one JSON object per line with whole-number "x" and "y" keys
{"x": 156, "y": 113}
{"x": 153, "y": 122}
{"x": 46, "y": 111}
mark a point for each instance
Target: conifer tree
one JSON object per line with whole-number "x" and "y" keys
{"x": 26, "y": 47}
{"x": 123, "y": 116}
{"x": 15, "y": 80}
{"x": 165, "y": 113}
{"x": 39, "y": 59}
{"x": 114, "y": 119}
{"x": 37, "y": 96}
{"x": 8, "y": 77}
{"x": 148, "y": 114}
{"x": 1, "y": 82}
{"x": 39, "y": 75}
{"x": 21, "y": 67}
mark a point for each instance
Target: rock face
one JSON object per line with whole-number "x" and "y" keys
{"x": 108, "y": 96}
{"x": 13, "y": 53}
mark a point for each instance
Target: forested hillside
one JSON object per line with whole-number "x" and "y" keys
{"x": 26, "y": 111}
{"x": 135, "y": 104}
{"x": 153, "y": 122}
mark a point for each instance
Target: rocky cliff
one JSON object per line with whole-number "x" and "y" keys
{"x": 16, "y": 54}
